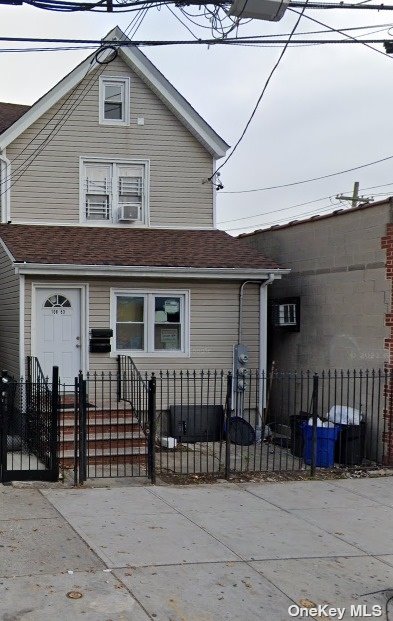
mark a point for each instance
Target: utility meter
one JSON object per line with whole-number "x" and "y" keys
{"x": 240, "y": 361}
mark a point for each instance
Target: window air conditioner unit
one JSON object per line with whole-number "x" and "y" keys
{"x": 129, "y": 212}
{"x": 286, "y": 313}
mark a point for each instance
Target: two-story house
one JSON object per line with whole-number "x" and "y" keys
{"x": 108, "y": 221}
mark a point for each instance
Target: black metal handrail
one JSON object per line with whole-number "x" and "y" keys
{"x": 132, "y": 387}
{"x": 37, "y": 385}
{"x": 35, "y": 374}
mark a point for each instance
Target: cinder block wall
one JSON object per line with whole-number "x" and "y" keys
{"x": 342, "y": 269}
{"x": 339, "y": 271}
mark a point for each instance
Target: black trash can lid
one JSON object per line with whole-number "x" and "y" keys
{"x": 240, "y": 431}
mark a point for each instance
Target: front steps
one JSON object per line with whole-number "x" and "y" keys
{"x": 113, "y": 437}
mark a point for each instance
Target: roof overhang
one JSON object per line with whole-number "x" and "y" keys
{"x": 142, "y": 66}
{"x": 147, "y": 271}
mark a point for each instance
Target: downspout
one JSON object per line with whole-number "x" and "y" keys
{"x": 263, "y": 343}
{"x": 264, "y": 283}
{"x": 5, "y": 166}
{"x": 241, "y": 294}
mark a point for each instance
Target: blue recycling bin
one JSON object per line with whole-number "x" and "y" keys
{"x": 326, "y": 444}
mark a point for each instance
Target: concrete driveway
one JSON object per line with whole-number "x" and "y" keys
{"x": 266, "y": 552}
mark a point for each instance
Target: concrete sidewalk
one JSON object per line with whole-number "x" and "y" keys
{"x": 243, "y": 552}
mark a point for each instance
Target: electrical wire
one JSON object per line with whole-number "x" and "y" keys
{"x": 317, "y": 200}
{"x": 18, "y": 172}
{"x": 307, "y": 214}
{"x": 344, "y": 34}
{"x": 181, "y": 21}
{"x": 216, "y": 19}
{"x": 310, "y": 180}
{"x": 62, "y": 107}
{"x": 198, "y": 41}
{"x": 265, "y": 213}
{"x": 272, "y": 72}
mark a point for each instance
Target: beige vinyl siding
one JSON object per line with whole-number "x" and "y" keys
{"x": 9, "y": 315}
{"x": 214, "y": 311}
{"x": 48, "y": 190}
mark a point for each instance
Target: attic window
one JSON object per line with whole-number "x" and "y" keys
{"x": 114, "y": 101}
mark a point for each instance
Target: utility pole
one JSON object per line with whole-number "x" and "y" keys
{"x": 355, "y": 199}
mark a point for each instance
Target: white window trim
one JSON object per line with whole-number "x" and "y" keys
{"x": 149, "y": 324}
{"x": 116, "y": 122}
{"x": 281, "y": 314}
{"x": 94, "y": 159}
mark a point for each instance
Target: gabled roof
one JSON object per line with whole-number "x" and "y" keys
{"x": 143, "y": 67}
{"x": 9, "y": 113}
{"x": 92, "y": 246}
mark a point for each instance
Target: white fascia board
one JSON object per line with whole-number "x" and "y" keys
{"x": 47, "y": 101}
{"x": 146, "y": 272}
{"x": 7, "y": 251}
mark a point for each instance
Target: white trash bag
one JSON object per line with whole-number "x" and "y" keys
{"x": 320, "y": 423}
{"x": 344, "y": 415}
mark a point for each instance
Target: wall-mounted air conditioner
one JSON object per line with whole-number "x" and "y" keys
{"x": 129, "y": 212}
{"x": 286, "y": 313}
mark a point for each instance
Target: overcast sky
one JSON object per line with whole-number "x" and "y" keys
{"x": 327, "y": 108}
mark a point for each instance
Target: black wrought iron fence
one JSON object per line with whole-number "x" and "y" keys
{"x": 279, "y": 422}
{"x": 181, "y": 423}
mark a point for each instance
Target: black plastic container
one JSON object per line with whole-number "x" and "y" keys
{"x": 350, "y": 447}
{"x": 297, "y": 439}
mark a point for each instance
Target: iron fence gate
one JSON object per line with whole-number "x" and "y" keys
{"x": 29, "y": 414}
{"x": 113, "y": 426}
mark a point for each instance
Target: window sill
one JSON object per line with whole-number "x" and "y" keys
{"x": 118, "y": 223}
{"x": 155, "y": 354}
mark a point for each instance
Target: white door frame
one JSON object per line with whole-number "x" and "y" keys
{"x": 84, "y": 319}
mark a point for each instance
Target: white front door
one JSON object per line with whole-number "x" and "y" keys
{"x": 58, "y": 332}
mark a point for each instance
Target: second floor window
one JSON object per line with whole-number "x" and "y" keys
{"x": 114, "y": 192}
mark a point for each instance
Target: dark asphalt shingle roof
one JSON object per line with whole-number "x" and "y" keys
{"x": 9, "y": 113}
{"x": 80, "y": 245}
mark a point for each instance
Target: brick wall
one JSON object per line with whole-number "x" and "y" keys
{"x": 387, "y": 246}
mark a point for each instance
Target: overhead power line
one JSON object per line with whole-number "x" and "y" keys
{"x": 118, "y": 6}
{"x": 266, "y": 213}
{"x": 316, "y": 200}
{"x": 342, "y": 5}
{"x": 310, "y": 180}
{"x": 325, "y": 209}
{"x": 196, "y": 41}
{"x": 344, "y": 34}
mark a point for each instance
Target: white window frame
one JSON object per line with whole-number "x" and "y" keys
{"x": 288, "y": 308}
{"x": 149, "y": 309}
{"x": 114, "y": 163}
{"x": 126, "y": 101}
